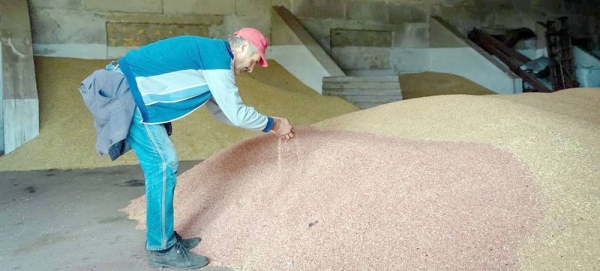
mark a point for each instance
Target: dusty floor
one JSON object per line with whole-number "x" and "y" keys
{"x": 70, "y": 220}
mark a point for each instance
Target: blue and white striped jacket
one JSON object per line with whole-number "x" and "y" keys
{"x": 171, "y": 78}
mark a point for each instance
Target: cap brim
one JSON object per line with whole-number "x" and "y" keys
{"x": 263, "y": 61}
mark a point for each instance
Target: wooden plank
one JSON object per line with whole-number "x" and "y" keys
{"x": 361, "y": 85}
{"x": 366, "y": 105}
{"x": 138, "y": 34}
{"x": 355, "y": 82}
{"x": 364, "y": 92}
{"x": 361, "y": 38}
{"x": 207, "y": 20}
{"x": 361, "y": 79}
{"x": 371, "y": 99}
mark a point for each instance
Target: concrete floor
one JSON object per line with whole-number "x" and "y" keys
{"x": 70, "y": 219}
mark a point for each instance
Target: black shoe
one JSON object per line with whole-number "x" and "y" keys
{"x": 177, "y": 257}
{"x": 188, "y": 243}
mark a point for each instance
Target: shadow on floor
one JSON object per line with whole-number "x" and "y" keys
{"x": 70, "y": 219}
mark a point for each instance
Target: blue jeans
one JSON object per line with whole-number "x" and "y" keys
{"x": 158, "y": 158}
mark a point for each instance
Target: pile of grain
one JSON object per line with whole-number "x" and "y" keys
{"x": 445, "y": 182}
{"x": 417, "y": 85}
{"x": 67, "y": 138}
{"x": 67, "y": 135}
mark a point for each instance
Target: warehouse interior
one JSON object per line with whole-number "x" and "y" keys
{"x": 433, "y": 134}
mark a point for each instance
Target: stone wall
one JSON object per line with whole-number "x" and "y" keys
{"x": 99, "y": 29}
{"x": 344, "y": 28}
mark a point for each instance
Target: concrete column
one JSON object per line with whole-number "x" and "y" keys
{"x": 451, "y": 52}
{"x": 20, "y": 106}
{"x": 291, "y": 44}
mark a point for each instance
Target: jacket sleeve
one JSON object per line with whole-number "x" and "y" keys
{"x": 216, "y": 112}
{"x": 226, "y": 104}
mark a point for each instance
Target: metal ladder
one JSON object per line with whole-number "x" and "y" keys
{"x": 560, "y": 53}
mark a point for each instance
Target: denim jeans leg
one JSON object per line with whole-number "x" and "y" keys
{"x": 158, "y": 158}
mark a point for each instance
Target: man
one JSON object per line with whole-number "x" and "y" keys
{"x": 168, "y": 80}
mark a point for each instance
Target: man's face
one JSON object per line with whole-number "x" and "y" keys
{"x": 243, "y": 61}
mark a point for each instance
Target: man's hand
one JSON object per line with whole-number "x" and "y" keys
{"x": 283, "y": 128}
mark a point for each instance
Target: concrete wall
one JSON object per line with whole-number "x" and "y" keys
{"x": 452, "y": 52}
{"x": 310, "y": 72}
{"x": 408, "y": 22}
{"x": 19, "y": 108}
{"x": 378, "y": 36}
{"x": 406, "y": 16}
{"x": 106, "y": 28}
{"x": 587, "y": 68}
{"x": 294, "y": 48}
{"x": 100, "y": 29}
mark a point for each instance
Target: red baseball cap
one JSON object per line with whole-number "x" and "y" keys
{"x": 258, "y": 39}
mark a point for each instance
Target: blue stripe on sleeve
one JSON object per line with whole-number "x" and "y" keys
{"x": 176, "y": 96}
{"x": 269, "y": 125}
{"x": 135, "y": 92}
{"x": 166, "y": 112}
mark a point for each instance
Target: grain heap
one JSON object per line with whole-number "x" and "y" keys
{"x": 446, "y": 182}
{"x": 67, "y": 135}
{"x": 423, "y": 84}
